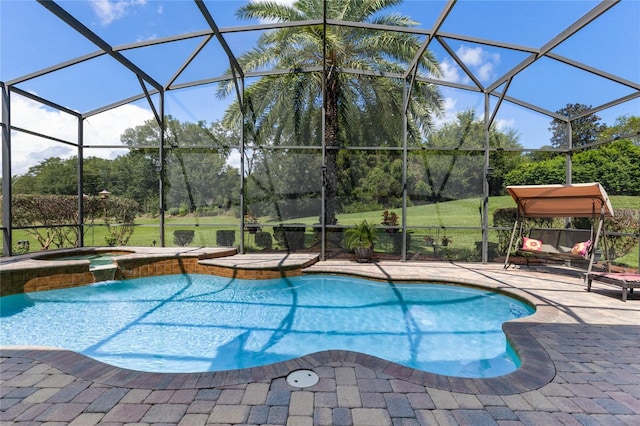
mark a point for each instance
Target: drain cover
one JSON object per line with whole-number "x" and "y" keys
{"x": 302, "y": 378}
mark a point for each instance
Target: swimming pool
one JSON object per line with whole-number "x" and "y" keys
{"x": 193, "y": 323}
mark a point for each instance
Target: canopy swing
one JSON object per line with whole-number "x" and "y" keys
{"x": 548, "y": 201}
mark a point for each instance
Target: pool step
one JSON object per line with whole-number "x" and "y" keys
{"x": 260, "y": 265}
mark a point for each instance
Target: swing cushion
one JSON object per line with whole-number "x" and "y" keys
{"x": 581, "y": 248}
{"x": 531, "y": 244}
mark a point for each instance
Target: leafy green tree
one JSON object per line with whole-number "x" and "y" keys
{"x": 584, "y": 130}
{"x": 283, "y": 184}
{"x": 441, "y": 175}
{"x": 616, "y": 166}
{"x": 51, "y": 176}
{"x": 625, "y": 127}
{"x": 286, "y": 109}
{"x": 538, "y": 173}
{"x": 197, "y": 173}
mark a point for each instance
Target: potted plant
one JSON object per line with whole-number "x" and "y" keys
{"x": 251, "y": 224}
{"x": 446, "y": 240}
{"x": 361, "y": 240}
{"x": 428, "y": 240}
{"x": 390, "y": 220}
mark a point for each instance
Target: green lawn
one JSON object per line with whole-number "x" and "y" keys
{"x": 437, "y": 220}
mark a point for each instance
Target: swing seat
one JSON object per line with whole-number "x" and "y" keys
{"x": 567, "y": 201}
{"x": 556, "y": 244}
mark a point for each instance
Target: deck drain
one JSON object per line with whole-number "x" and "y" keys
{"x": 302, "y": 378}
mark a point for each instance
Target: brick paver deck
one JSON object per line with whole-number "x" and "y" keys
{"x": 580, "y": 353}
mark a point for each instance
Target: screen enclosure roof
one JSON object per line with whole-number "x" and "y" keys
{"x": 538, "y": 55}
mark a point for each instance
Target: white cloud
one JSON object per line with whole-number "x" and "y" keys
{"x": 449, "y": 112}
{"x": 104, "y": 129}
{"x": 108, "y": 10}
{"x": 505, "y": 124}
{"x": 471, "y": 56}
{"x": 478, "y": 60}
{"x": 450, "y": 71}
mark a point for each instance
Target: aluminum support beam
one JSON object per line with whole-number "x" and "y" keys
{"x": 95, "y": 39}
{"x": 7, "y": 224}
{"x": 405, "y": 161}
{"x": 413, "y": 66}
{"x": 57, "y": 67}
{"x": 80, "y": 182}
{"x": 243, "y": 142}
{"x": 161, "y": 168}
{"x": 593, "y": 70}
{"x": 323, "y": 167}
{"x": 190, "y": 59}
{"x": 486, "y": 171}
{"x": 150, "y": 101}
{"x": 571, "y": 30}
{"x": 607, "y": 105}
{"x": 460, "y": 63}
{"x": 235, "y": 65}
{"x": 500, "y": 99}
{"x": 436, "y": 27}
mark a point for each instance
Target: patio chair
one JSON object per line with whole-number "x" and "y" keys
{"x": 628, "y": 281}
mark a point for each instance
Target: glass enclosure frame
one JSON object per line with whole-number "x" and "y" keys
{"x": 154, "y": 92}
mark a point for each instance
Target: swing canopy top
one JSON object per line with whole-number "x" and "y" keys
{"x": 573, "y": 200}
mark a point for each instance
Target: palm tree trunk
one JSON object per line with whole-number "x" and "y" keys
{"x": 332, "y": 146}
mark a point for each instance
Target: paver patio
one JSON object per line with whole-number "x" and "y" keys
{"x": 588, "y": 365}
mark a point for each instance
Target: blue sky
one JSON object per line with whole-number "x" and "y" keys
{"x": 32, "y": 38}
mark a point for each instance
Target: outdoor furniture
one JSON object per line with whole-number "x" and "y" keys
{"x": 557, "y": 244}
{"x": 628, "y": 281}
{"x": 568, "y": 201}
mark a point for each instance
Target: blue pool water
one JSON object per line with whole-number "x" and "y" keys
{"x": 195, "y": 323}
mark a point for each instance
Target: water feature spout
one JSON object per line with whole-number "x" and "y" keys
{"x": 104, "y": 272}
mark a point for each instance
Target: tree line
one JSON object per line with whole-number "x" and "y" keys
{"x": 286, "y": 183}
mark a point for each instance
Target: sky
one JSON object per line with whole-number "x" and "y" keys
{"x": 32, "y": 38}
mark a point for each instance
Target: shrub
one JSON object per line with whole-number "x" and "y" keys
{"x": 624, "y": 221}
{"x": 264, "y": 240}
{"x": 225, "y": 237}
{"x": 290, "y": 237}
{"x": 183, "y": 238}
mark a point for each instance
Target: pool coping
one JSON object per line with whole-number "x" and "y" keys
{"x": 536, "y": 370}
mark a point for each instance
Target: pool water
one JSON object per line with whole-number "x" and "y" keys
{"x": 196, "y": 323}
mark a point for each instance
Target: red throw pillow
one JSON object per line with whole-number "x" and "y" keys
{"x": 581, "y": 248}
{"x": 531, "y": 244}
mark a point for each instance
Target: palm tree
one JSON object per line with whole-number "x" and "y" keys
{"x": 287, "y": 107}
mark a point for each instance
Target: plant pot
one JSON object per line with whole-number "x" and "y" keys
{"x": 363, "y": 254}
{"x": 225, "y": 238}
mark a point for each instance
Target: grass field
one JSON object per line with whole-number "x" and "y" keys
{"x": 451, "y": 219}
